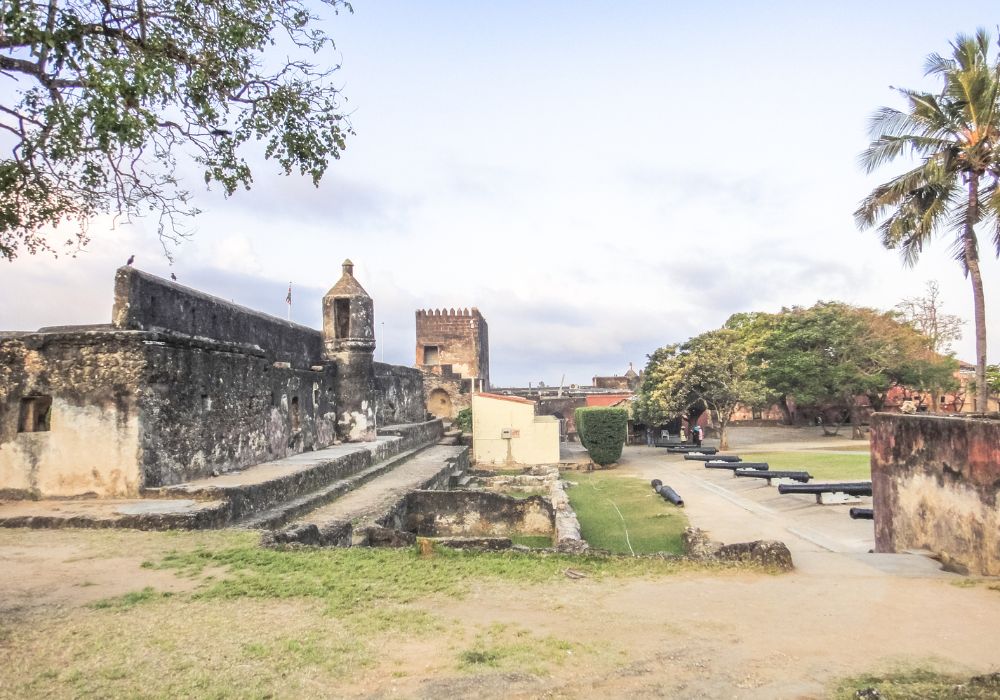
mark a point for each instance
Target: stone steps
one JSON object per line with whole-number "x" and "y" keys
{"x": 373, "y": 504}
{"x": 267, "y": 486}
{"x": 290, "y": 510}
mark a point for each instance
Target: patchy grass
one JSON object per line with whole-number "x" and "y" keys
{"x": 835, "y": 467}
{"x": 922, "y": 684}
{"x": 129, "y": 600}
{"x": 512, "y": 647}
{"x": 270, "y": 623}
{"x": 348, "y": 578}
{"x": 652, "y": 524}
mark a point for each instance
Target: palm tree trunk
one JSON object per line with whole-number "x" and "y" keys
{"x": 978, "y": 298}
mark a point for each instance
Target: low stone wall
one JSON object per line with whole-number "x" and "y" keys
{"x": 477, "y": 514}
{"x": 415, "y": 434}
{"x": 935, "y": 483}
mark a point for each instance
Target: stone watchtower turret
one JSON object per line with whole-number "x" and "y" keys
{"x": 349, "y": 340}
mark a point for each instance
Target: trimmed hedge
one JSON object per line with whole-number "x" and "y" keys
{"x": 602, "y": 432}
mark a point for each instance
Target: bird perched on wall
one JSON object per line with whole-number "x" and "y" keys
{"x": 131, "y": 259}
{"x": 173, "y": 276}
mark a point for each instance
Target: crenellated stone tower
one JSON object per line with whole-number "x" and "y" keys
{"x": 349, "y": 341}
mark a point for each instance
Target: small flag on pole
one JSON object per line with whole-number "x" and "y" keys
{"x": 288, "y": 300}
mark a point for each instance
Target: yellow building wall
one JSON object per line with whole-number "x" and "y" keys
{"x": 533, "y": 440}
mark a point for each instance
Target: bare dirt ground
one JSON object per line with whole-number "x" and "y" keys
{"x": 695, "y": 635}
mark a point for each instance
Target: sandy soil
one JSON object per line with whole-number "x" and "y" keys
{"x": 695, "y": 635}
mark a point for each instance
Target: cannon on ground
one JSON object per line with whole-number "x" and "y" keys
{"x": 862, "y": 514}
{"x": 668, "y": 493}
{"x": 685, "y": 449}
{"x": 712, "y": 458}
{"x": 847, "y": 488}
{"x": 762, "y": 474}
{"x": 760, "y": 466}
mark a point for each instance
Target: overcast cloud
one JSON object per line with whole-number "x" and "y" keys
{"x": 598, "y": 179}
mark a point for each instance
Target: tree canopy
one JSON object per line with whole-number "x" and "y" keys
{"x": 111, "y": 99}
{"x": 821, "y": 358}
{"x": 954, "y": 136}
{"x": 708, "y": 372}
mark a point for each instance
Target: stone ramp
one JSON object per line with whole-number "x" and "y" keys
{"x": 374, "y": 504}
{"x": 268, "y": 494}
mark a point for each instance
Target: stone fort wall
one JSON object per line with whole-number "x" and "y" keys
{"x": 182, "y": 386}
{"x": 146, "y": 302}
{"x": 936, "y": 485}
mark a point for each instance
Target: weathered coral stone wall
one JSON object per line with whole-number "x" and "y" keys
{"x": 91, "y": 444}
{"x": 476, "y": 514}
{"x": 146, "y": 302}
{"x": 400, "y": 392}
{"x": 936, "y": 482}
{"x": 210, "y": 407}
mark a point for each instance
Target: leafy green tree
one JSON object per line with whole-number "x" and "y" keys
{"x": 708, "y": 372}
{"x": 955, "y": 134}
{"x": 826, "y": 356}
{"x": 111, "y": 99}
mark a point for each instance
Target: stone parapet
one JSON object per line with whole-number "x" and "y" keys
{"x": 935, "y": 484}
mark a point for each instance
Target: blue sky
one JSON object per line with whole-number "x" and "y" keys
{"x": 600, "y": 179}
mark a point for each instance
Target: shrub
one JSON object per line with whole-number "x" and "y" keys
{"x": 464, "y": 420}
{"x": 602, "y": 432}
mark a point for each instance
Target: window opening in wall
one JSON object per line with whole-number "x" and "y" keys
{"x": 274, "y": 400}
{"x": 342, "y": 317}
{"x": 295, "y": 414}
{"x": 206, "y": 402}
{"x": 36, "y": 414}
{"x": 432, "y": 355}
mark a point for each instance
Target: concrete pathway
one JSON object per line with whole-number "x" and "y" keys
{"x": 823, "y": 539}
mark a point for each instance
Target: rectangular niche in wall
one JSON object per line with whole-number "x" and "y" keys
{"x": 342, "y": 317}
{"x": 432, "y": 355}
{"x": 36, "y": 414}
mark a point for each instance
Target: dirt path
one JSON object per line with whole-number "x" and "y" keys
{"x": 694, "y": 635}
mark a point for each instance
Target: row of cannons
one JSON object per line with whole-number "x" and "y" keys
{"x": 835, "y": 492}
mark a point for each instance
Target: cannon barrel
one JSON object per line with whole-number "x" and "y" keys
{"x": 855, "y": 488}
{"x": 712, "y": 458}
{"x": 762, "y": 474}
{"x": 678, "y": 449}
{"x": 670, "y": 495}
{"x": 760, "y": 466}
{"x": 862, "y": 514}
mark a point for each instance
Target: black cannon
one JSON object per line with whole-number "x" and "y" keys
{"x": 712, "y": 458}
{"x": 762, "y": 474}
{"x": 732, "y": 466}
{"x": 684, "y": 449}
{"x": 848, "y": 488}
{"x": 668, "y": 493}
{"x": 862, "y": 514}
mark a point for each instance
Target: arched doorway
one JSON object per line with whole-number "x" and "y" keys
{"x": 439, "y": 403}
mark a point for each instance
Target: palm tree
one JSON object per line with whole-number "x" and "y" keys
{"x": 955, "y": 134}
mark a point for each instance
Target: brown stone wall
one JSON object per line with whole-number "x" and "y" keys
{"x": 935, "y": 482}
{"x": 462, "y": 339}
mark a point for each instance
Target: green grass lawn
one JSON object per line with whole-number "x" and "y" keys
{"x": 836, "y": 467}
{"x": 922, "y": 684}
{"x": 653, "y": 525}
